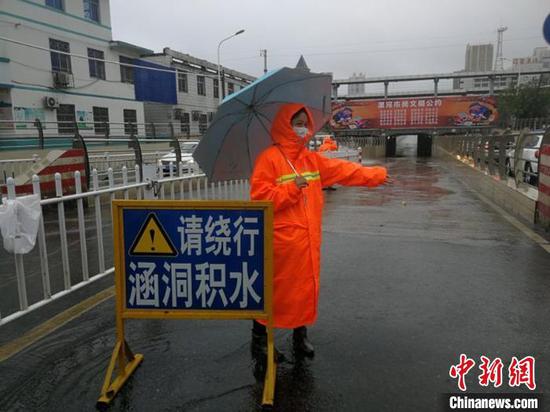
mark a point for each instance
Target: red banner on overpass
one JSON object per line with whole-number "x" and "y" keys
{"x": 412, "y": 113}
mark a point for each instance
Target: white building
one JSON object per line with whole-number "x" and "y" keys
{"x": 478, "y": 58}
{"x": 36, "y": 83}
{"x": 197, "y": 91}
{"x": 357, "y": 89}
{"x": 540, "y": 59}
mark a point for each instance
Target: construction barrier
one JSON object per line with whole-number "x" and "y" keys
{"x": 65, "y": 162}
{"x": 543, "y": 203}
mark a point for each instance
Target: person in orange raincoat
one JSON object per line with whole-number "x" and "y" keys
{"x": 328, "y": 145}
{"x": 292, "y": 177}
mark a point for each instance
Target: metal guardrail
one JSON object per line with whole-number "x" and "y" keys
{"x": 181, "y": 186}
{"x": 535, "y": 123}
{"x": 491, "y": 153}
{"x": 118, "y": 144}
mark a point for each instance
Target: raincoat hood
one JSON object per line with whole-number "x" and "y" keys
{"x": 283, "y": 134}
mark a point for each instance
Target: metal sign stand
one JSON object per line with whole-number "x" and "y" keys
{"x": 123, "y": 359}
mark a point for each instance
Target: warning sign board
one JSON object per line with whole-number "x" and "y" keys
{"x": 190, "y": 260}
{"x": 177, "y": 258}
{"x": 152, "y": 240}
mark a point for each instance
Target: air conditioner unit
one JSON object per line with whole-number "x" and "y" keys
{"x": 196, "y": 115}
{"x": 51, "y": 102}
{"x": 62, "y": 80}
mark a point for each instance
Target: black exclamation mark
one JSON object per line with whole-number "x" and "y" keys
{"x": 152, "y": 234}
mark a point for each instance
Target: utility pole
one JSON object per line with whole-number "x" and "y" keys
{"x": 499, "y": 58}
{"x": 263, "y": 53}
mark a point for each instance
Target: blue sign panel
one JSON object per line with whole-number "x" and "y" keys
{"x": 154, "y": 85}
{"x": 546, "y": 29}
{"x": 194, "y": 259}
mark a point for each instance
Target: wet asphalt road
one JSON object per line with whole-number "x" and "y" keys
{"x": 412, "y": 276}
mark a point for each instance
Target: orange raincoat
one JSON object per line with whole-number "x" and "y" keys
{"x": 328, "y": 145}
{"x": 297, "y": 214}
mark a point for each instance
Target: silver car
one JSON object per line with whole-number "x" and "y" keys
{"x": 187, "y": 148}
{"x": 528, "y": 159}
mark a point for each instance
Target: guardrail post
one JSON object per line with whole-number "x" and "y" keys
{"x": 137, "y": 180}
{"x": 160, "y": 175}
{"x": 111, "y": 180}
{"x": 38, "y": 125}
{"x": 175, "y": 144}
{"x": 106, "y": 131}
{"x": 19, "y": 267}
{"x": 63, "y": 232}
{"x": 134, "y": 144}
{"x": 180, "y": 173}
{"x": 44, "y": 270}
{"x": 79, "y": 143}
{"x": 125, "y": 180}
{"x": 81, "y": 227}
{"x": 98, "y": 223}
{"x": 171, "y": 174}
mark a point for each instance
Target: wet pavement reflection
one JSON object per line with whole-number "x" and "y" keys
{"x": 412, "y": 276}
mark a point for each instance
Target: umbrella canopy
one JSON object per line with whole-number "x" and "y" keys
{"x": 241, "y": 129}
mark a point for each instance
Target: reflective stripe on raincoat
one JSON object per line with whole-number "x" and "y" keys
{"x": 297, "y": 214}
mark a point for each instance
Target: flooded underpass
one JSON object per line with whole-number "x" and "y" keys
{"x": 413, "y": 275}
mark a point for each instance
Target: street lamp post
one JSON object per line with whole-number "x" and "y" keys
{"x": 220, "y": 95}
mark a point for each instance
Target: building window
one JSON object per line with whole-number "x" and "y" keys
{"x": 66, "y": 119}
{"x": 91, "y": 10}
{"x": 230, "y": 88}
{"x": 126, "y": 72}
{"x": 203, "y": 123}
{"x": 216, "y": 88}
{"x": 97, "y": 67}
{"x": 60, "y": 62}
{"x": 56, "y": 4}
{"x": 185, "y": 126}
{"x": 182, "y": 82}
{"x": 130, "y": 120}
{"x": 101, "y": 120}
{"x": 201, "y": 87}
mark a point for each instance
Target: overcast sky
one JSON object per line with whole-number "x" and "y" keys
{"x": 383, "y": 37}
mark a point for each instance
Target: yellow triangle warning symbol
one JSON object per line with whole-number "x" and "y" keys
{"x": 152, "y": 240}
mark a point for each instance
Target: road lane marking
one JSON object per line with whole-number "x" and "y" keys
{"x": 17, "y": 345}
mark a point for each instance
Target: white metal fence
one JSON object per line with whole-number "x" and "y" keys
{"x": 189, "y": 186}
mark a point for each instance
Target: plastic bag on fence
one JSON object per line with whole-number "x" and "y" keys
{"x": 19, "y": 220}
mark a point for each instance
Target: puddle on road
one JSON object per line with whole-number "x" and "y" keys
{"x": 414, "y": 180}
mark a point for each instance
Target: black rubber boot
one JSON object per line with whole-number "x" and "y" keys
{"x": 302, "y": 345}
{"x": 258, "y": 346}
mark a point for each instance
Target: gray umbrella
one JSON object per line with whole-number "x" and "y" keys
{"x": 241, "y": 128}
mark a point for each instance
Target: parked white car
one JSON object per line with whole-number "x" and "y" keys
{"x": 528, "y": 161}
{"x": 187, "y": 149}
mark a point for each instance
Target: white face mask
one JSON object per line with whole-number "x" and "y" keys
{"x": 301, "y": 131}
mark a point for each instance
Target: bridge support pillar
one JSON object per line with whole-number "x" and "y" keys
{"x": 491, "y": 85}
{"x": 424, "y": 145}
{"x": 391, "y": 145}
{"x": 436, "y": 82}
{"x": 386, "y": 84}
{"x": 334, "y": 92}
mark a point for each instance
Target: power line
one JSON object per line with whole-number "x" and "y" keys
{"x": 379, "y": 51}
{"x": 80, "y": 56}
